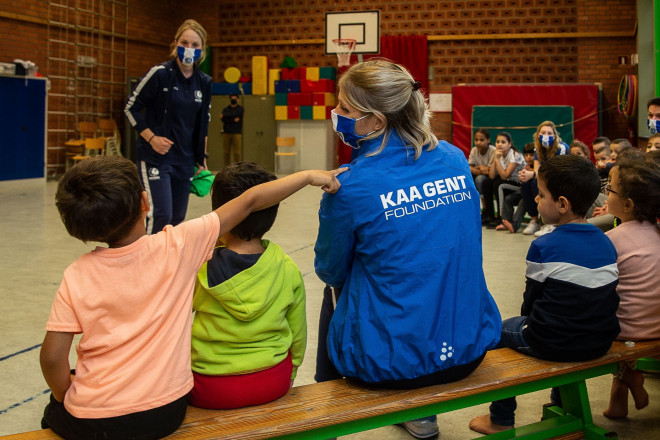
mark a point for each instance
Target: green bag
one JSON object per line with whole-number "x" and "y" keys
{"x": 200, "y": 184}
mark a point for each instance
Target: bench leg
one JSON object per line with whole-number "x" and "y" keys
{"x": 575, "y": 401}
{"x": 648, "y": 365}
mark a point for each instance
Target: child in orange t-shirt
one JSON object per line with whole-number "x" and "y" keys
{"x": 132, "y": 302}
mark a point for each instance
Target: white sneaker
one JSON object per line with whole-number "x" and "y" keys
{"x": 545, "y": 229}
{"x": 531, "y": 228}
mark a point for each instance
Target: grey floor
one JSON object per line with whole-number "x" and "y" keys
{"x": 35, "y": 249}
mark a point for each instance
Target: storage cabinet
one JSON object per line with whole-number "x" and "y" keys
{"x": 23, "y": 127}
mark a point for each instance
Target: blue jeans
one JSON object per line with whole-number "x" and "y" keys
{"x": 502, "y": 412}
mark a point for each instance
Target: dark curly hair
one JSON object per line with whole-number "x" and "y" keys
{"x": 640, "y": 181}
{"x": 232, "y": 181}
{"x": 100, "y": 199}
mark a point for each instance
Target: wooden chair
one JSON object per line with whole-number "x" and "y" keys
{"x": 76, "y": 147}
{"x": 108, "y": 129}
{"x": 92, "y": 147}
{"x": 285, "y": 155}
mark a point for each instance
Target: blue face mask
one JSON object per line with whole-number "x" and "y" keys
{"x": 345, "y": 129}
{"x": 653, "y": 125}
{"x": 546, "y": 140}
{"x": 188, "y": 55}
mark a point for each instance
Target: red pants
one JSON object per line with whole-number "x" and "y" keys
{"x": 228, "y": 392}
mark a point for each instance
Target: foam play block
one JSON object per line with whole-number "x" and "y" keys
{"x": 326, "y": 85}
{"x": 290, "y": 73}
{"x": 330, "y": 99}
{"x": 328, "y": 73}
{"x": 280, "y": 86}
{"x": 273, "y": 75}
{"x": 302, "y": 72}
{"x": 318, "y": 112}
{"x": 328, "y": 111}
{"x": 224, "y": 88}
{"x": 318, "y": 98}
{"x": 306, "y": 112}
{"x": 312, "y": 74}
{"x": 299, "y": 99}
{"x": 293, "y": 86}
{"x": 281, "y": 98}
{"x": 281, "y": 112}
{"x": 293, "y": 111}
{"x": 259, "y": 75}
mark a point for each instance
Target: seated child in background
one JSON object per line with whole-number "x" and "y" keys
{"x": 600, "y": 215}
{"x": 617, "y": 146}
{"x": 601, "y": 148}
{"x": 481, "y": 157}
{"x": 508, "y": 162}
{"x": 634, "y": 198}
{"x": 570, "y": 301}
{"x": 132, "y": 302}
{"x": 653, "y": 143}
{"x": 249, "y": 332}
{"x": 579, "y": 148}
{"x": 512, "y": 212}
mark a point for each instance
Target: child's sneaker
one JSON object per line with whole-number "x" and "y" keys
{"x": 544, "y": 230}
{"x": 531, "y": 228}
{"x": 422, "y": 428}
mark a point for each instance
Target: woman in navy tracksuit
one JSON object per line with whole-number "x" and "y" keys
{"x": 177, "y": 98}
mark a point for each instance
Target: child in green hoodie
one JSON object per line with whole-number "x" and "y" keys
{"x": 249, "y": 331}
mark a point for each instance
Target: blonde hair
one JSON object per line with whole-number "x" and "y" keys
{"x": 388, "y": 91}
{"x": 194, "y": 26}
{"x": 544, "y": 153}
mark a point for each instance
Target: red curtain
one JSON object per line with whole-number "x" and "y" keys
{"x": 409, "y": 51}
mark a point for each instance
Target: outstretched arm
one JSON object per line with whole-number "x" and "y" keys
{"x": 270, "y": 193}
{"x": 54, "y": 360}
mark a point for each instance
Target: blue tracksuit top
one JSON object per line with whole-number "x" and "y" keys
{"x": 402, "y": 237}
{"x": 177, "y": 108}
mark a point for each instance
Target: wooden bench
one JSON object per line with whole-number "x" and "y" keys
{"x": 341, "y": 407}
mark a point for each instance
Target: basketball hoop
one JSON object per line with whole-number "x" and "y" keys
{"x": 344, "y": 48}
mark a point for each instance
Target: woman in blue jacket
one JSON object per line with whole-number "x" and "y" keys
{"x": 176, "y": 97}
{"x": 401, "y": 241}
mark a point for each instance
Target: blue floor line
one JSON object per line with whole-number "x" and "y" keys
{"x": 29, "y": 399}
{"x": 19, "y": 352}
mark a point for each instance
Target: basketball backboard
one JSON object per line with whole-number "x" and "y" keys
{"x": 362, "y": 26}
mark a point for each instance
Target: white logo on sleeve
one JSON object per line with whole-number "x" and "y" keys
{"x": 411, "y": 200}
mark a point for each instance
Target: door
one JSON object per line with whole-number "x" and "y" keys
{"x": 259, "y": 130}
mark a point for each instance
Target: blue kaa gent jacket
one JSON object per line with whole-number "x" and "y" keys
{"x": 402, "y": 237}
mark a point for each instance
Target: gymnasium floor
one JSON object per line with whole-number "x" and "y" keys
{"x": 35, "y": 249}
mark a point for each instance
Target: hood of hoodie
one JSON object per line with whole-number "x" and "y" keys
{"x": 248, "y": 294}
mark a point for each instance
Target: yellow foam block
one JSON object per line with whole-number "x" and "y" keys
{"x": 318, "y": 112}
{"x": 281, "y": 113}
{"x": 330, "y": 99}
{"x": 259, "y": 75}
{"x": 312, "y": 74}
{"x": 273, "y": 75}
